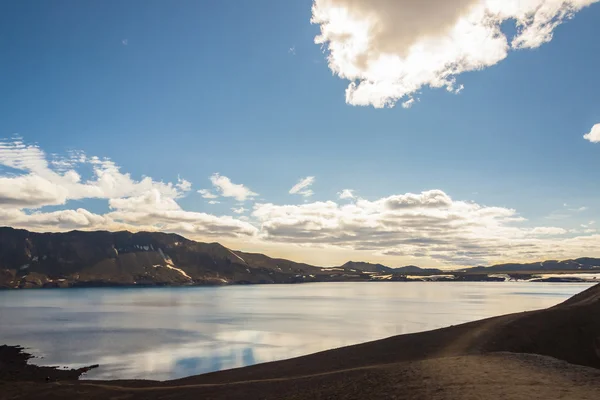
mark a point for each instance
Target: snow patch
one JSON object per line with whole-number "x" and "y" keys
{"x": 382, "y": 277}
{"x": 506, "y": 277}
{"x": 35, "y": 259}
{"x": 332, "y": 269}
{"x": 165, "y": 257}
{"x": 430, "y": 277}
{"x": 23, "y": 267}
{"x": 237, "y": 256}
{"x": 182, "y": 272}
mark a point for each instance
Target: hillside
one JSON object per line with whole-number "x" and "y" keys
{"x": 76, "y": 258}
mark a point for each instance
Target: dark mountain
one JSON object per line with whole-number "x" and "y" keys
{"x": 101, "y": 258}
{"x": 576, "y": 265}
{"x": 365, "y": 267}
{"x": 414, "y": 270}
{"x": 380, "y": 268}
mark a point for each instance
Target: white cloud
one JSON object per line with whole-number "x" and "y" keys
{"x": 30, "y": 191}
{"x": 239, "y": 210}
{"x": 408, "y": 103}
{"x": 207, "y": 194}
{"x": 430, "y": 198}
{"x": 149, "y": 201}
{"x": 390, "y": 49}
{"x": 301, "y": 187}
{"x": 183, "y": 185}
{"x": 594, "y": 135}
{"x": 214, "y": 202}
{"x": 229, "y": 189}
{"x": 42, "y": 184}
{"x": 430, "y": 225}
{"x": 346, "y": 194}
{"x": 56, "y": 220}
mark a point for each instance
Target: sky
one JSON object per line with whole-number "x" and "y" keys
{"x": 437, "y": 133}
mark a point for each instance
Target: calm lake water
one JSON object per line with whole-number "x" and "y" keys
{"x": 166, "y": 333}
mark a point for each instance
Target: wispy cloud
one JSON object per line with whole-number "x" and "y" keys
{"x": 183, "y": 185}
{"x": 301, "y": 187}
{"x": 207, "y": 194}
{"x": 566, "y": 212}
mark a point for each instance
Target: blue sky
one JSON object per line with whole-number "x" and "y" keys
{"x": 194, "y": 88}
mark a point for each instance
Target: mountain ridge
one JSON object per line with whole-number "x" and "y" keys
{"x": 103, "y": 258}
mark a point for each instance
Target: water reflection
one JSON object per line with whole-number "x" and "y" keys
{"x": 167, "y": 333}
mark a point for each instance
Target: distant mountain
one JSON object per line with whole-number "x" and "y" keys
{"x": 414, "y": 270}
{"x": 407, "y": 270}
{"x": 365, "y": 267}
{"x": 576, "y": 265}
{"x": 76, "y": 258}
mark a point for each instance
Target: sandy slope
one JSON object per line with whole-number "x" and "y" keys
{"x": 519, "y": 356}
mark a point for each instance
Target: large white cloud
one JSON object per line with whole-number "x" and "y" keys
{"x": 594, "y": 134}
{"x": 429, "y": 225}
{"x": 390, "y": 49}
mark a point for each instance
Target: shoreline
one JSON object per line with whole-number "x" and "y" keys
{"x": 424, "y": 279}
{"x": 15, "y": 366}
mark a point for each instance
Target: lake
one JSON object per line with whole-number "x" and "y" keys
{"x": 167, "y": 333}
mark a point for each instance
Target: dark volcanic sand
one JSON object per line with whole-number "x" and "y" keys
{"x": 547, "y": 354}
